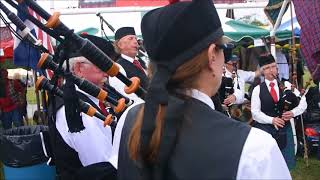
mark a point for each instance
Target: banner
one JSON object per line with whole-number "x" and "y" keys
{"x": 308, "y": 15}
{"x": 24, "y": 53}
{"x": 272, "y": 10}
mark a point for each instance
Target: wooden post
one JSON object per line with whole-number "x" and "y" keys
{"x": 295, "y": 81}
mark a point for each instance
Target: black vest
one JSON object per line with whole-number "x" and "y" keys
{"x": 66, "y": 158}
{"x": 207, "y": 144}
{"x": 133, "y": 71}
{"x": 267, "y": 105}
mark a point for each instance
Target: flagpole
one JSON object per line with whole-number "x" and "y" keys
{"x": 275, "y": 27}
{"x": 37, "y": 93}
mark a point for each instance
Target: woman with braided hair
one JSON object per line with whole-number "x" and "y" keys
{"x": 177, "y": 133}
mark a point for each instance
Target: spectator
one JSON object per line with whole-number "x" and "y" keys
{"x": 9, "y": 102}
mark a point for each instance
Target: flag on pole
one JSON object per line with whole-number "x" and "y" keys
{"x": 24, "y": 54}
{"x": 272, "y": 10}
{"x": 308, "y": 15}
{"x": 44, "y": 38}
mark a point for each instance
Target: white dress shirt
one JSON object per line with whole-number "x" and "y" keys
{"x": 119, "y": 85}
{"x": 259, "y": 159}
{"x": 261, "y": 117}
{"x": 117, "y": 135}
{"x": 130, "y": 59}
{"x": 94, "y": 143}
{"x": 245, "y": 77}
{"x": 239, "y": 93}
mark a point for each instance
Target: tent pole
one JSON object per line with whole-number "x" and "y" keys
{"x": 295, "y": 81}
{"x": 275, "y": 27}
{"x": 36, "y": 91}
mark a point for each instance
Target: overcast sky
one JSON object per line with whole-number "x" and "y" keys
{"x": 79, "y": 22}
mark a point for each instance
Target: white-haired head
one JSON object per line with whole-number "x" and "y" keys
{"x": 73, "y": 61}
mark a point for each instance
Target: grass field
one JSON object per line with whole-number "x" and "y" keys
{"x": 31, "y": 95}
{"x": 302, "y": 172}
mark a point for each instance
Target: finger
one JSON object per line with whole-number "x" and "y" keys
{"x": 280, "y": 125}
{"x": 282, "y": 122}
{"x": 275, "y": 126}
{"x": 287, "y": 116}
{"x": 284, "y": 117}
{"x": 286, "y": 113}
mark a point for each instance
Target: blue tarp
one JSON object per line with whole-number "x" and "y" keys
{"x": 287, "y": 26}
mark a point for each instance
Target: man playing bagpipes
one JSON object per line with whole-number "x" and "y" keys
{"x": 273, "y": 105}
{"x": 127, "y": 46}
{"x": 92, "y": 144}
{"x": 232, "y": 91}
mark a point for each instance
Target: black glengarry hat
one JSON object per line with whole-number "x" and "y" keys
{"x": 266, "y": 59}
{"x": 124, "y": 31}
{"x": 173, "y": 35}
{"x": 103, "y": 44}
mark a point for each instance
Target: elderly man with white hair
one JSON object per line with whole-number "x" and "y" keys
{"x": 93, "y": 144}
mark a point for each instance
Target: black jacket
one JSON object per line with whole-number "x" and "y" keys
{"x": 207, "y": 144}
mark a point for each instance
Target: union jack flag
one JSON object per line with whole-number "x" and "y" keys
{"x": 45, "y": 39}
{"x": 24, "y": 54}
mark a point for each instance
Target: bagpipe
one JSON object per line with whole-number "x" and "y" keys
{"x": 71, "y": 42}
{"x": 226, "y": 89}
{"x": 289, "y": 99}
{"x": 44, "y": 83}
{"x": 46, "y": 62}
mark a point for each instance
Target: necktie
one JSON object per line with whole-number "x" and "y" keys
{"x": 138, "y": 65}
{"x": 273, "y": 92}
{"x": 103, "y": 108}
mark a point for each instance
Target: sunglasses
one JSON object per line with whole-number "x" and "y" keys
{"x": 225, "y": 46}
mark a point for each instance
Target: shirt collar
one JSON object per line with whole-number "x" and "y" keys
{"x": 268, "y": 82}
{"x": 228, "y": 73}
{"x": 202, "y": 97}
{"x": 130, "y": 59}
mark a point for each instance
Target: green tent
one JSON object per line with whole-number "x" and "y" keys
{"x": 238, "y": 30}
{"x": 235, "y": 30}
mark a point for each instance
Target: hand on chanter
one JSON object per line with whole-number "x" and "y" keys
{"x": 278, "y": 122}
{"x": 287, "y": 115}
{"x": 231, "y": 99}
